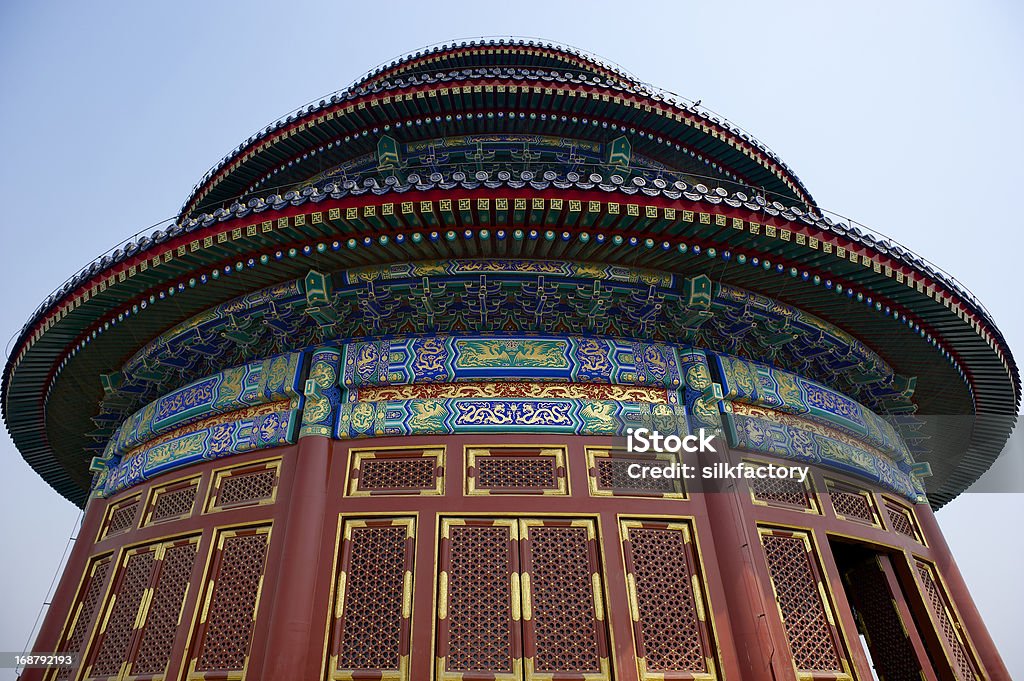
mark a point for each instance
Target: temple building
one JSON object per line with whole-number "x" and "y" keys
{"x": 361, "y": 411}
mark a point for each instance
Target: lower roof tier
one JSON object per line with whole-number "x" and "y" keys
{"x": 530, "y": 323}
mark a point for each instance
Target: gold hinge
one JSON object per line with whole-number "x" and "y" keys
{"x": 697, "y": 600}
{"x": 407, "y": 595}
{"x": 598, "y": 596}
{"x": 527, "y": 606}
{"x": 634, "y": 607}
{"x": 339, "y": 606}
{"x": 516, "y": 596}
{"x": 442, "y": 596}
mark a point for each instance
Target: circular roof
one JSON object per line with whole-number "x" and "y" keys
{"x": 415, "y": 82}
{"x": 603, "y": 167}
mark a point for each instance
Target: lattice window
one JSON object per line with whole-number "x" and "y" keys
{"x": 516, "y": 470}
{"x": 946, "y": 620}
{"x": 544, "y": 619}
{"x": 479, "y": 600}
{"x": 162, "y": 617}
{"x": 618, "y": 473}
{"x": 374, "y": 598}
{"x": 667, "y": 600}
{"x": 172, "y": 502}
{"x": 116, "y": 637}
{"x": 223, "y": 637}
{"x": 785, "y": 492}
{"x": 851, "y": 503}
{"x": 564, "y": 633}
{"x": 902, "y": 521}
{"x": 870, "y": 594}
{"x": 800, "y": 593}
{"x": 395, "y": 471}
{"x": 248, "y": 485}
{"x": 87, "y": 605}
{"x": 121, "y": 517}
{"x": 140, "y": 626}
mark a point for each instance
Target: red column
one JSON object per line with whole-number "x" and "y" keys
{"x": 67, "y": 587}
{"x": 756, "y": 631}
{"x": 958, "y": 593}
{"x": 289, "y": 643}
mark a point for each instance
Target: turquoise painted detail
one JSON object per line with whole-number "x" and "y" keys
{"x": 469, "y": 415}
{"x": 452, "y": 359}
{"x": 322, "y": 393}
{"x": 258, "y": 428}
{"x": 701, "y": 395}
{"x": 796, "y": 444}
{"x": 759, "y": 384}
{"x": 246, "y": 385}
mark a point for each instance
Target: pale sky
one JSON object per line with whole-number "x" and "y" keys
{"x": 904, "y": 116}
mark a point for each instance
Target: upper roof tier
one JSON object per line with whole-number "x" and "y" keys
{"x": 490, "y": 77}
{"x": 444, "y": 153}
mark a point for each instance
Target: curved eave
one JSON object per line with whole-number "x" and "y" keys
{"x": 247, "y": 165}
{"x": 528, "y": 54}
{"x": 969, "y": 352}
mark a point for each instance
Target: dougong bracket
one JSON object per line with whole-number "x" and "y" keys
{"x": 318, "y": 298}
{"x": 694, "y": 309}
{"x": 620, "y": 154}
{"x": 388, "y": 157}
